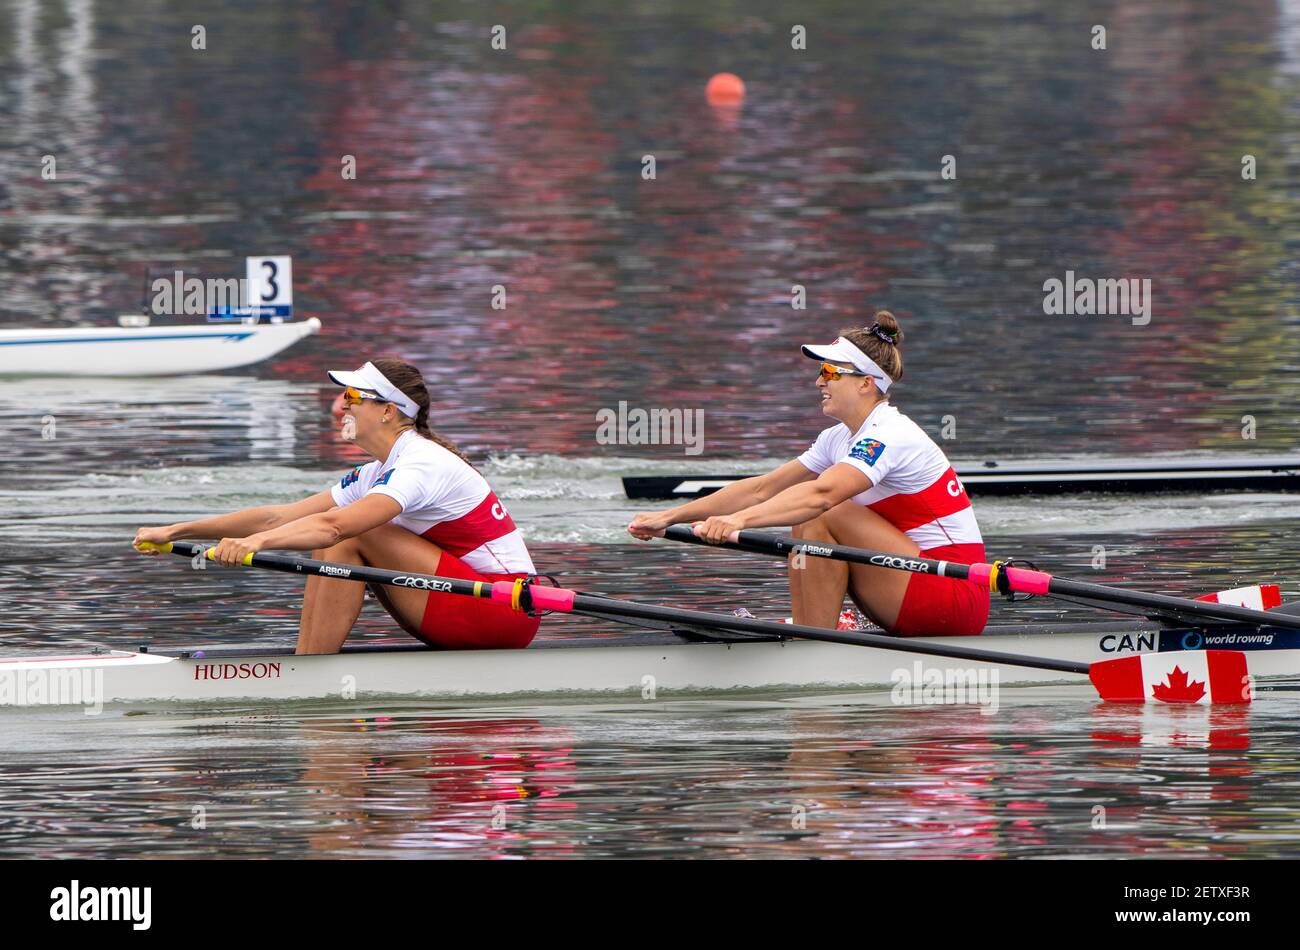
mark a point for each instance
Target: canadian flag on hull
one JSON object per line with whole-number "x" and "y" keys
{"x": 1200, "y": 677}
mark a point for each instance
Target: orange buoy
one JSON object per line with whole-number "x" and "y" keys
{"x": 725, "y": 89}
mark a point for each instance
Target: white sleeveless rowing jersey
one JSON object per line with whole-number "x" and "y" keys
{"x": 913, "y": 486}
{"x": 443, "y": 499}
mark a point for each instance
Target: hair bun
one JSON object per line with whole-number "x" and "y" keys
{"x": 886, "y": 328}
{"x": 883, "y": 334}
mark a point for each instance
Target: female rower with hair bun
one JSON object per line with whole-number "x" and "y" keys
{"x": 419, "y": 507}
{"x": 874, "y": 480}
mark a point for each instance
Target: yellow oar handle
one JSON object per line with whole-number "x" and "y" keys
{"x": 167, "y": 549}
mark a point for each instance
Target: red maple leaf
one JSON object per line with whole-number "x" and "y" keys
{"x": 1177, "y": 689}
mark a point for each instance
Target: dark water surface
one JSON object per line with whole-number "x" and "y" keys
{"x": 1050, "y": 774}
{"x": 522, "y": 168}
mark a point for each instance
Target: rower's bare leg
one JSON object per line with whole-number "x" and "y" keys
{"x": 331, "y": 605}
{"x": 817, "y": 585}
{"x": 817, "y": 589}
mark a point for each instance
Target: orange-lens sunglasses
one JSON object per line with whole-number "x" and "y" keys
{"x": 353, "y": 396}
{"x": 830, "y": 372}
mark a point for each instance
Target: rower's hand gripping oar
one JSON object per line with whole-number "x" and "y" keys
{"x": 1227, "y": 680}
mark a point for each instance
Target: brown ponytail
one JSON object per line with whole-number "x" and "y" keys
{"x": 880, "y": 341}
{"x": 409, "y": 380}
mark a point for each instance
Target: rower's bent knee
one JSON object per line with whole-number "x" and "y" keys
{"x": 350, "y": 547}
{"x": 814, "y": 528}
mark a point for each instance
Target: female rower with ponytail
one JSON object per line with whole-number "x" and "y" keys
{"x": 874, "y": 480}
{"x": 420, "y": 507}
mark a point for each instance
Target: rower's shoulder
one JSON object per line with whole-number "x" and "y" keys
{"x": 837, "y": 431}
{"x": 901, "y": 433}
{"x": 419, "y": 447}
{"x": 897, "y": 420}
{"x": 432, "y": 456}
{"x": 357, "y": 472}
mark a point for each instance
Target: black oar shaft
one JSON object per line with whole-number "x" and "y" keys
{"x": 587, "y": 602}
{"x": 609, "y": 606}
{"x": 351, "y": 572}
{"x": 1020, "y": 579}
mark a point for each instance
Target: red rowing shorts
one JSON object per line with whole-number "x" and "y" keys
{"x": 457, "y": 622}
{"x": 936, "y": 606}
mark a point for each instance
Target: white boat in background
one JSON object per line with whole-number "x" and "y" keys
{"x": 146, "y": 351}
{"x": 234, "y": 335}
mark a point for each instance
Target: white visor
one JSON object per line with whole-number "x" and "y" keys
{"x": 371, "y": 380}
{"x": 842, "y": 351}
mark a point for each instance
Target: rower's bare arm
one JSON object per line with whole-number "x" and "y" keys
{"x": 807, "y": 500}
{"x": 239, "y": 524}
{"x": 325, "y": 529}
{"x": 741, "y": 494}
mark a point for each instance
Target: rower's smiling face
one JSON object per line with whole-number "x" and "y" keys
{"x": 360, "y": 415}
{"x": 840, "y": 398}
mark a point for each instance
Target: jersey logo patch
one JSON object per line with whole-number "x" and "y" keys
{"x": 868, "y": 450}
{"x": 350, "y": 477}
{"x": 383, "y": 479}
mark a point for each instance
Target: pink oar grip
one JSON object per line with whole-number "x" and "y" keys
{"x": 552, "y": 598}
{"x": 544, "y": 598}
{"x": 1028, "y": 582}
{"x": 1022, "y": 579}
